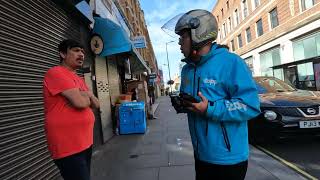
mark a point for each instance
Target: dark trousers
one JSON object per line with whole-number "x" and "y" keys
{"x": 208, "y": 171}
{"x": 76, "y": 166}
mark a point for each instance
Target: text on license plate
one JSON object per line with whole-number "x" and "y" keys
{"x": 309, "y": 124}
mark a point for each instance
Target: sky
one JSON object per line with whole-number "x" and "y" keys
{"x": 156, "y": 14}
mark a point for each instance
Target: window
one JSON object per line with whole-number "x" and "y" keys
{"x": 248, "y": 34}
{"x": 222, "y": 12}
{"x": 298, "y": 51}
{"x": 274, "y": 18}
{"x": 256, "y": 3}
{"x": 228, "y": 5}
{"x": 318, "y": 44}
{"x": 224, "y": 30}
{"x": 307, "y": 48}
{"x": 249, "y": 62}
{"x": 229, "y": 24}
{"x": 259, "y": 27}
{"x": 239, "y": 40}
{"x": 107, "y": 4}
{"x": 268, "y": 59}
{"x": 217, "y": 18}
{"x": 305, "y": 71}
{"x": 232, "y": 46}
{"x": 236, "y": 17}
{"x": 278, "y": 73}
{"x": 245, "y": 8}
{"x": 306, "y": 4}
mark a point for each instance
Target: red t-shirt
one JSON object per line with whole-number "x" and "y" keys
{"x": 68, "y": 130}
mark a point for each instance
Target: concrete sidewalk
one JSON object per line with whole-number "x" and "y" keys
{"x": 165, "y": 152}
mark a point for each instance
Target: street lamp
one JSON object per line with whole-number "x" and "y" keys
{"x": 168, "y": 63}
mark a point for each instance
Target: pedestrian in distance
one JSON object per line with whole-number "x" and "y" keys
{"x": 69, "y": 119}
{"x": 219, "y": 96}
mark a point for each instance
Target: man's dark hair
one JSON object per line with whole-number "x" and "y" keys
{"x": 223, "y": 46}
{"x": 68, "y": 44}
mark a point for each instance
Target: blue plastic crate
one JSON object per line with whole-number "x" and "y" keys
{"x": 132, "y": 118}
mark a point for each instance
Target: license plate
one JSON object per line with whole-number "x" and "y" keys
{"x": 309, "y": 124}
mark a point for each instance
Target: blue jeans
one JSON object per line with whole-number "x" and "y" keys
{"x": 76, "y": 166}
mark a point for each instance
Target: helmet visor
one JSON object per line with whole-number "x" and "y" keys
{"x": 169, "y": 26}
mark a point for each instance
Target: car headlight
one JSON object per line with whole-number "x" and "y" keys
{"x": 270, "y": 115}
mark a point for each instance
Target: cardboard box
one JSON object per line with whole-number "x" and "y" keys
{"x": 125, "y": 98}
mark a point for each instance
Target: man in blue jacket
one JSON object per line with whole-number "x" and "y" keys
{"x": 227, "y": 98}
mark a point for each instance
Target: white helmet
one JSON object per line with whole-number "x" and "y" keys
{"x": 203, "y": 26}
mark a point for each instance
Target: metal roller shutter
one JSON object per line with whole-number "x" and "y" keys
{"x": 29, "y": 34}
{"x": 103, "y": 91}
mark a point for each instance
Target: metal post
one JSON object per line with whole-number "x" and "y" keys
{"x": 169, "y": 64}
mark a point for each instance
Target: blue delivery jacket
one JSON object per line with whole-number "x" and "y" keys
{"x": 221, "y": 136}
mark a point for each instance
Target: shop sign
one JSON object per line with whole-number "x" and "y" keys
{"x": 139, "y": 42}
{"x": 152, "y": 76}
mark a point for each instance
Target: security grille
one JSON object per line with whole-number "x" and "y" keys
{"x": 30, "y": 32}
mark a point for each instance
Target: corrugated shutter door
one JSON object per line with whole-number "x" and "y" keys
{"x": 29, "y": 34}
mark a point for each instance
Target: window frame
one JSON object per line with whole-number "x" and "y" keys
{"x": 236, "y": 17}
{"x": 303, "y": 5}
{"x": 249, "y": 62}
{"x": 270, "y": 18}
{"x": 257, "y": 29}
{"x": 224, "y": 27}
{"x": 244, "y": 3}
{"x": 240, "y": 42}
{"x": 254, "y": 5}
{"x": 229, "y": 24}
{"x": 249, "y": 28}
{"x": 266, "y": 53}
{"x": 233, "y": 48}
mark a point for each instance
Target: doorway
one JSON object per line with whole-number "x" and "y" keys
{"x": 291, "y": 76}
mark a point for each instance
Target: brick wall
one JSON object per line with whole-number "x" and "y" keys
{"x": 288, "y": 20}
{"x": 135, "y": 17}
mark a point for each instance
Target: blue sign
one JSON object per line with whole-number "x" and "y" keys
{"x": 139, "y": 42}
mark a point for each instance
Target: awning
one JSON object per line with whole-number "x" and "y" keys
{"x": 138, "y": 65}
{"x": 115, "y": 41}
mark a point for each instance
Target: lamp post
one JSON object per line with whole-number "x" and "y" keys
{"x": 169, "y": 64}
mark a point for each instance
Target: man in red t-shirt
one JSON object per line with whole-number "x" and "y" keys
{"x": 69, "y": 119}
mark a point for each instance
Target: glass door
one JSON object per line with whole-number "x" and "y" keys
{"x": 290, "y": 76}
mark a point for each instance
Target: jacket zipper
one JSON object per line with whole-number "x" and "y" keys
{"x": 210, "y": 103}
{"x": 194, "y": 121}
{"x": 225, "y": 136}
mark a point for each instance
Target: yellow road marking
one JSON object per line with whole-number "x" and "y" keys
{"x": 294, "y": 167}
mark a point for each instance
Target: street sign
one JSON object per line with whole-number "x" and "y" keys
{"x": 152, "y": 76}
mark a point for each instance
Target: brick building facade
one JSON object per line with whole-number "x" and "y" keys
{"x": 135, "y": 16}
{"x": 278, "y": 38}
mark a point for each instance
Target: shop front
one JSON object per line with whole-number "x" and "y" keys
{"x": 304, "y": 71}
{"x": 119, "y": 68}
{"x": 303, "y": 74}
